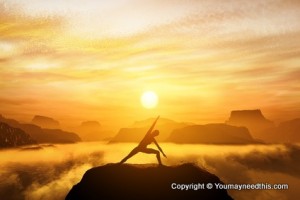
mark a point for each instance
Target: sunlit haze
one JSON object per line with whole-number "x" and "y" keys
{"x": 92, "y": 60}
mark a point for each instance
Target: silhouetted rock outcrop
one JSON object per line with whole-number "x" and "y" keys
{"x": 138, "y": 130}
{"x": 211, "y": 134}
{"x": 13, "y": 137}
{"x": 45, "y": 122}
{"x": 285, "y": 132}
{"x": 43, "y": 135}
{"x": 51, "y": 135}
{"x": 252, "y": 119}
{"x": 114, "y": 181}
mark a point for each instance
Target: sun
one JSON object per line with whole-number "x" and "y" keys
{"x": 149, "y": 99}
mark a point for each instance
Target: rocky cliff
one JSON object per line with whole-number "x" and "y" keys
{"x": 42, "y": 135}
{"x": 114, "y": 181}
{"x": 254, "y": 120}
{"x": 13, "y": 137}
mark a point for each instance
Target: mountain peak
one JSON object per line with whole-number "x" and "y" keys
{"x": 45, "y": 122}
{"x": 240, "y": 115}
{"x": 254, "y": 120}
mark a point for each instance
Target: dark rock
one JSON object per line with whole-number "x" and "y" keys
{"x": 114, "y": 181}
{"x": 211, "y": 134}
{"x": 43, "y": 135}
{"x": 50, "y": 135}
{"x": 13, "y": 137}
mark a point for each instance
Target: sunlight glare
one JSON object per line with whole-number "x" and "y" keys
{"x": 149, "y": 99}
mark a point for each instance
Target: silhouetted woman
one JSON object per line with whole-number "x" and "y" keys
{"x": 142, "y": 147}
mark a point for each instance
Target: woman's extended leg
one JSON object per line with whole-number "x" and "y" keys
{"x": 132, "y": 153}
{"x": 152, "y": 151}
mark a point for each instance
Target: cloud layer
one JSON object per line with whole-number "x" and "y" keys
{"x": 49, "y": 173}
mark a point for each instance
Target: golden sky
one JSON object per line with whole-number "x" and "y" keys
{"x": 92, "y": 60}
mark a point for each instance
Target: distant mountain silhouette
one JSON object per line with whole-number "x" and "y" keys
{"x": 252, "y": 119}
{"x": 90, "y": 124}
{"x": 211, "y": 134}
{"x": 92, "y": 131}
{"x": 137, "y": 131}
{"x": 13, "y": 137}
{"x": 43, "y": 135}
{"x": 115, "y": 181}
{"x": 45, "y": 122}
{"x": 285, "y": 132}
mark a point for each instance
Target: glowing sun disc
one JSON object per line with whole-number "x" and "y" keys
{"x": 149, "y": 99}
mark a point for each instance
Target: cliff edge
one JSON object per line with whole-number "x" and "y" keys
{"x": 115, "y": 181}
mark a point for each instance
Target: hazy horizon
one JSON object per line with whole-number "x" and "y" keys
{"x": 92, "y": 60}
{"x": 115, "y": 129}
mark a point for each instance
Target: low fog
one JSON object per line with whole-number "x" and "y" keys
{"x": 50, "y": 172}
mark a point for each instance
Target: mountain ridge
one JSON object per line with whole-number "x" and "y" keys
{"x": 42, "y": 135}
{"x": 13, "y": 137}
